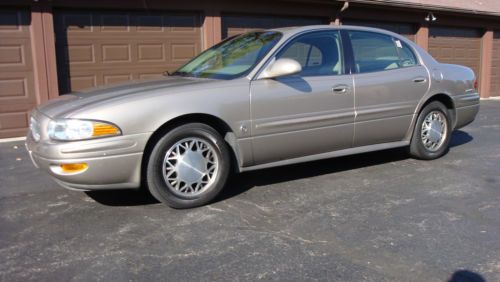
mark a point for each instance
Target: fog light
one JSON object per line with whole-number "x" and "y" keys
{"x": 73, "y": 168}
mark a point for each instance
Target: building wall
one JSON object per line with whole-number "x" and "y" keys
{"x": 55, "y": 56}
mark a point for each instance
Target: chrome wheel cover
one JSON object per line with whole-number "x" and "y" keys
{"x": 190, "y": 166}
{"x": 434, "y": 130}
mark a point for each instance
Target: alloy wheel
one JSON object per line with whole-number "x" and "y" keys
{"x": 434, "y": 130}
{"x": 190, "y": 166}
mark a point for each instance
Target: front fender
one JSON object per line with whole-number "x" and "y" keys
{"x": 148, "y": 111}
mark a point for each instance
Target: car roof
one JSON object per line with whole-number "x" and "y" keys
{"x": 289, "y": 31}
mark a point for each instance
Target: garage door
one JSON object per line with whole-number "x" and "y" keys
{"x": 456, "y": 46}
{"x": 237, "y": 24}
{"x": 495, "y": 72}
{"x": 17, "y": 94}
{"x": 100, "y": 47}
{"x": 405, "y": 29}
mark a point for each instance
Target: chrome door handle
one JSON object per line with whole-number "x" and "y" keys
{"x": 419, "y": 80}
{"x": 340, "y": 89}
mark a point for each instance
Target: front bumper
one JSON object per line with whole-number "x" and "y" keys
{"x": 114, "y": 172}
{"x": 112, "y": 163}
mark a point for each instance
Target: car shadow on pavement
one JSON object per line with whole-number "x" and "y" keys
{"x": 243, "y": 182}
{"x": 240, "y": 183}
{"x": 459, "y": 137}
{"x": 124, "y": 197}
{"x": 466, "y": 276}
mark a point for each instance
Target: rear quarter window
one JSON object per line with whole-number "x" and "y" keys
{"x": 408, "y": 58}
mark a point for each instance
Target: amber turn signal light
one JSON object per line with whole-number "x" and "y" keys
{"x": 72, "y": 168}
{"x": 103, "y": 129}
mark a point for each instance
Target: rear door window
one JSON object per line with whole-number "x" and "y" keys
{"x": 373, "y": 51}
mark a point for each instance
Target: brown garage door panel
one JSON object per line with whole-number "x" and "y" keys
{"x": 17, "y": 93}
{"x": 13, "y": 120}
{"x": 495, "y": 72}
{"x": 98, "y": 48}
{"x": 406, "y": 29}
{"x": 237, "y": 24}
{"x": 456, "y": 46}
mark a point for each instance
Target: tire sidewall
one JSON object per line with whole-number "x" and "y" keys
{"x": 417, "y": 148}
{"x": 155, "y": 180}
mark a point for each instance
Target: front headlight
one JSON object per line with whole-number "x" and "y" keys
{"x": 75, "y": 129}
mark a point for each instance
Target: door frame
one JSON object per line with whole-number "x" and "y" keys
{"x": 44, "y": 54}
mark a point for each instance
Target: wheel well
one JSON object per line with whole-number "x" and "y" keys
{"x": 216, "y": 123}
{"x": 447, "y": 102}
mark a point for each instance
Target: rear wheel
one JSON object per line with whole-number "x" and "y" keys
{"x": 188, "y": 166}
{"x": 432, "y": 132}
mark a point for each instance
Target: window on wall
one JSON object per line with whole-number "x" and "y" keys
{"x": 373, "y": 51}
{"x": 319, "y": 53}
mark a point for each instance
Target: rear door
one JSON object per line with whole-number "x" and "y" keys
{"x": 389, "y": 82}
{"x": 308, "y": 113}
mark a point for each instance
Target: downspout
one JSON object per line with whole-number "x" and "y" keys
{"x": 339, "y": 13}
{"x": 145, "y": 5}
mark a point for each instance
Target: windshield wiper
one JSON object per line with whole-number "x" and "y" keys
{"x": 181, "y": 73}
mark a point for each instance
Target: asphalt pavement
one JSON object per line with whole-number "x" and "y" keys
{"x": 372, "y": 217}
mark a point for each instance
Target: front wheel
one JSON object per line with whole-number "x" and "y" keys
{"x": 432, "y": 132}
{"x": 188, "y": 166}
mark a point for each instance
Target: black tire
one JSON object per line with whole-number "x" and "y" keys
{"x": 417, "y": 148}
{"x": 156, "y": 183}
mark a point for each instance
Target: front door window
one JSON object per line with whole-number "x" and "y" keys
{"x": 318, "y": 53}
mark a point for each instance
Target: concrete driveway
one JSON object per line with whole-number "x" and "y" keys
{"x": 376, "y": 216}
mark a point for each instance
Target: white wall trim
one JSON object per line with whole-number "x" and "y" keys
{"x": 5, "y": 140}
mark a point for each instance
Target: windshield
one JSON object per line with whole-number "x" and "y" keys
{"x": 231, "y": 58}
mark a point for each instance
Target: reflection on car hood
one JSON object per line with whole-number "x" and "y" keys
{"x": 78, "y": 100}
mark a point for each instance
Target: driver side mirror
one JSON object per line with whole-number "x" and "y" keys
{"x": 281, "y": 67}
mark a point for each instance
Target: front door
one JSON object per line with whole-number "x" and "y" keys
{"x": 308, "y": 113}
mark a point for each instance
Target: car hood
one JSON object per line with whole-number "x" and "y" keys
{"x": 77, "y": 100}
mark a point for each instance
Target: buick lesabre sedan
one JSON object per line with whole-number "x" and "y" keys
{"x": 258, "y": 100}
